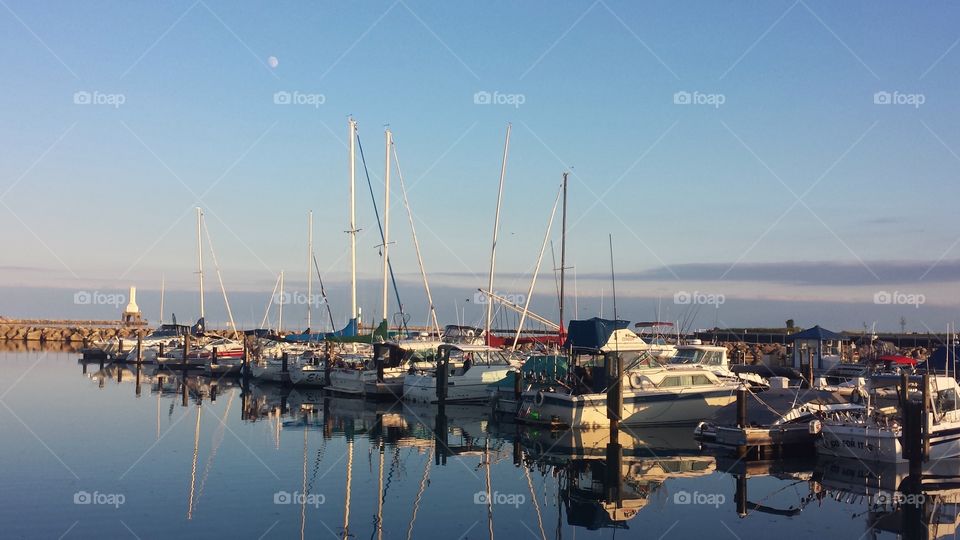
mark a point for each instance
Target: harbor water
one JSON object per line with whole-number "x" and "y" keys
{"x": 93, "y": 451}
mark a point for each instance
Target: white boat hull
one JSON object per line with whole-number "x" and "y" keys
{"x": 640, "y": 408}
{"x": 472, "y": 387}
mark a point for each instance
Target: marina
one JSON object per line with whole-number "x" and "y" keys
{"x": 175, "y": 456}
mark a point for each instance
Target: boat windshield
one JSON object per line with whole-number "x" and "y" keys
{"x": 638, "y": 360}
{"x": 697, "y": 356}
{"x": 487, "y": 357}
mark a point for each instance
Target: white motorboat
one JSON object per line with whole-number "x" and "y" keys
{"x": 469, "y": 371}
{"x": 877, "y": 435}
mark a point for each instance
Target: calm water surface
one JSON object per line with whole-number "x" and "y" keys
{"x": 92, "y": 454}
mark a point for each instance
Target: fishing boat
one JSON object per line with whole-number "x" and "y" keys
{"x": 879, "y": 436}
{"x": 652, "y": 393}
{"x": 466, "y": 370}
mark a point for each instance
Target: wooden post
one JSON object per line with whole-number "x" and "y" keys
{"x": 614, "y": 370}
{"x": 925, "y": 426}
{"x": 742, "y": 407}
{"x": 443, "y": 373}
{"x": 139, "y": 348}
{"x": 327, "y": 367}
{"x": 810, "y": 368}
{"x": 213, "y": 356}
{"x": 283, "y": 362}
{"x": 160, "y": 353}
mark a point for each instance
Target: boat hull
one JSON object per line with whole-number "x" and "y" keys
{"x": 643, "y": 408}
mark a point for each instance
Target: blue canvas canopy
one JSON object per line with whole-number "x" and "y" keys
{"x": 592, "y": 334}
{"x": 816, "y": 334}
{"x": 350, "y": 330}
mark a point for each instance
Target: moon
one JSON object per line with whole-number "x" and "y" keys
{"x": 273, "y": 62}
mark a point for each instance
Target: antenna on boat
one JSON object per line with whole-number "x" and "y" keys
{"x": 496, "y": 229}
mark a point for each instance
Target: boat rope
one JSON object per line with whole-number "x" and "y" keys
{"x": 216, "y": 266}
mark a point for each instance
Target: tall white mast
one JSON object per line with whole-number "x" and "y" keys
{"x": 353, "y": 224}
{"x": 309, "y": 265}
{"x": 386, "y": 220}
{"x": 200, "y": 257}
{"x": 496, "y": 230}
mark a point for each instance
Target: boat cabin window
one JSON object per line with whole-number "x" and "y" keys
{"x": 698, "y": 356}
{"x": 684, "y": 380}
{"x": 947, "y": 400}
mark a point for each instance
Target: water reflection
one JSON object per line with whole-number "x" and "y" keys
{"x": 354, "y": 468}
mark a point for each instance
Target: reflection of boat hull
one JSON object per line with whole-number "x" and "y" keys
{"x": 639, "y": 407}
{"x": 580, "y": 443}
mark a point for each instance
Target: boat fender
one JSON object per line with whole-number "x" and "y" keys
{"x": 637, "y": 381}
{"x": 815, "y": 427}
{"x": 539, "y": 398}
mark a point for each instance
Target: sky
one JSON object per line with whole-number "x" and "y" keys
{"x": 752, "y": 162}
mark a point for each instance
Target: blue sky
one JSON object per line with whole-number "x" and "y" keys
{"x": 798, "y": 164}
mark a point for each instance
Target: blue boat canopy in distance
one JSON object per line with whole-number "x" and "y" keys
{"x": 818, "y": 334}
{"x": 592, "y": 334}
{"x": 350, "y": 330}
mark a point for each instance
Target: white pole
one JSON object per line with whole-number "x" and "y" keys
{"x": 200, "y": 257}
{"x": 416, "y": 244}
{"x": 309, "y": 266}
{"x": 280, "y": 315}
{"x": 496, "y": 230}
{"x": 353, "y": 224}
{"x": 386, "y": 221}
{"x": 536, "y": 271}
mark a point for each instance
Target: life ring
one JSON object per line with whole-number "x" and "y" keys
{"x": 539, "y": 398}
